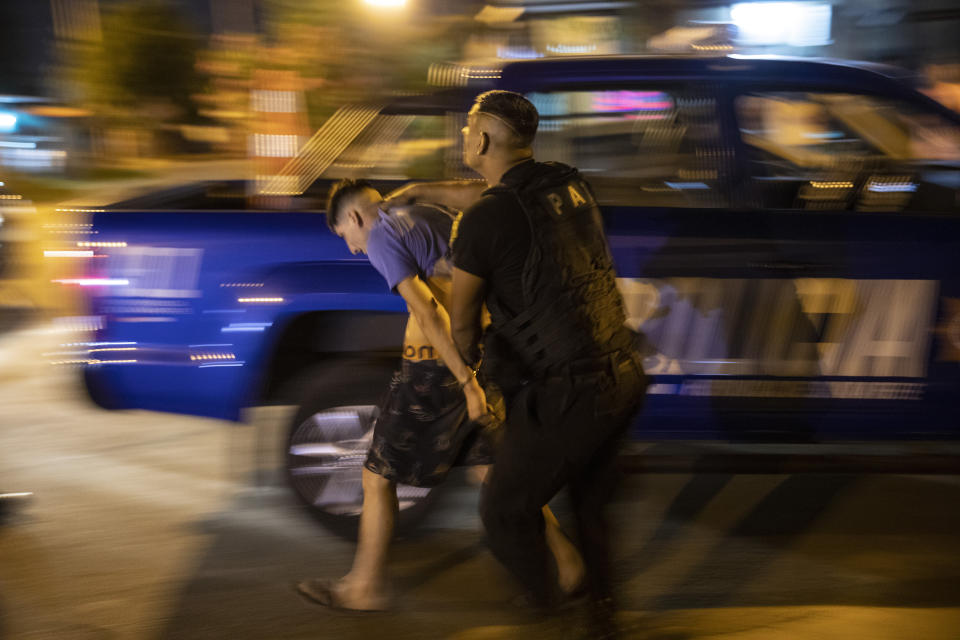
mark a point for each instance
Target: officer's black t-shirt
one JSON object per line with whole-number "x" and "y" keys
{"x": 492, "y": 240}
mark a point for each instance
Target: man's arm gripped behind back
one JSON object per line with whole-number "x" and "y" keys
{"x": 435, "y": 323}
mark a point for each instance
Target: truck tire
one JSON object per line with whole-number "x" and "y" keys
{"x": 327, "y": 442}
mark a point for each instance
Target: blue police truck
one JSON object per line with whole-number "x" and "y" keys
{"x": 786, "y": 234}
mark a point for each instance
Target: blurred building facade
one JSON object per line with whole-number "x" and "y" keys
{"x": 911, "y": 33}
{"x": 345, "y": 50}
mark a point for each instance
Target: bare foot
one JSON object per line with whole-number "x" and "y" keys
{"x": 570, "y": 570}
{"x": 570, "y": 567}
{"x": 363, "y": 597}
{"x": 342, "y": 594}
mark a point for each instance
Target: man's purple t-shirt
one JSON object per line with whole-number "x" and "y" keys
{"x": 409, "y": 241}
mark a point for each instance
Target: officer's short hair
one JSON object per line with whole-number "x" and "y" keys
{"x": 340, "y": 192}
{"x": 514, "y": 110}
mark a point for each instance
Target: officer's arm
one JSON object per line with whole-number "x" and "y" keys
{"x": 466, "y": 304}
{"x": 435, "y": 323}
{"x": 457, "y": 194}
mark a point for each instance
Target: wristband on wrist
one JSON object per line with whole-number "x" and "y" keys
{"x": 473, "y": 373}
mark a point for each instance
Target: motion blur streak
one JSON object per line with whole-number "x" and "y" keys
{"x": 780, "y": 186}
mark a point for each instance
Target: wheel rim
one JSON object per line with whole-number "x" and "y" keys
{"x": 325, "y": 461}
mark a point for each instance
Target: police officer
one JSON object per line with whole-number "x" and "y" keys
{"x": 532, "y": 247}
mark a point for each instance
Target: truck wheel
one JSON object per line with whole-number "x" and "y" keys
{"x": 328, "y": 440}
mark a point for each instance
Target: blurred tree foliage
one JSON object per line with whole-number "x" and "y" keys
{"x": 141, "y": 71}
{"x": 227, "y": 66}
{"x": 348, "y": 50}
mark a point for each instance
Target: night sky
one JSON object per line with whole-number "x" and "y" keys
{"x": 26, "y": 33}
{"x": 26, "y": 39}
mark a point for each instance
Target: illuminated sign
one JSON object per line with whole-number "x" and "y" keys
{"x": 796, "y": 24}
{"x": 619, "y": 101}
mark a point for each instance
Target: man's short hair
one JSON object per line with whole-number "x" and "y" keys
{"x": 340, "y": 192}
{"x": 514, "y": 110}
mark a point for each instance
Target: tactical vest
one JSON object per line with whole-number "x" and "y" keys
{"x": 572, "y": 309}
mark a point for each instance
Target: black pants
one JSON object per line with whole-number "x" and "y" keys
{"x": 561, "y": 431}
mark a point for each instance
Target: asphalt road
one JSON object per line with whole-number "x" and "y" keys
{"x": 154, "y": 526}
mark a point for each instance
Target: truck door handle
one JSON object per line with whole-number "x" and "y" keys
{"x": 784, "y": 265}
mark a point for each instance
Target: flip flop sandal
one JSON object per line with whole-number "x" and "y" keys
{"x": 321, "y": 592}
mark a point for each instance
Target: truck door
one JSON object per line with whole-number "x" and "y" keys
{"x": 659, "y": 155}
{"x": 860, "y": 192}
{"x": 784, "y": 290}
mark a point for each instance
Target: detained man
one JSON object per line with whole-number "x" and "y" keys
{"x": 532, "y": 248}
{"x": 435, "y": 415}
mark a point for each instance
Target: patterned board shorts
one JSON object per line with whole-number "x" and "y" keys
{"x": 423, "y": 429}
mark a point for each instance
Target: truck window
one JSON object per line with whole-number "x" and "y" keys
{"x": 844, "y": 151}
{"x": 642, "y": 146}
{"x": 403, "y": 147}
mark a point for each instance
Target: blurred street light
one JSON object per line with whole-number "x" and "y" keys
{"x": 8, "y": 122}
{"x": 392, "y": 4}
